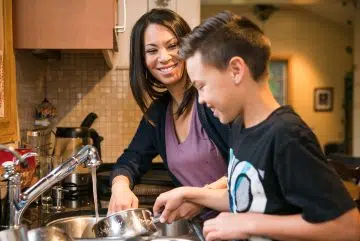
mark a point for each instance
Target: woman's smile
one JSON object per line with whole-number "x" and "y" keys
{"x": 167, "y": 70}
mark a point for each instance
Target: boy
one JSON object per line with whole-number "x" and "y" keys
{"x": 279, "y": 184}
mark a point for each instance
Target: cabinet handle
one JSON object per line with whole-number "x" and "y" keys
{"x": 121, "y": 28}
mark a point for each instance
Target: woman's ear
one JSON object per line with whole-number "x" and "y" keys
{"x": 236, "y": 68}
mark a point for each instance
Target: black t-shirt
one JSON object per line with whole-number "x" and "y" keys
{"x": 277, "y": 167}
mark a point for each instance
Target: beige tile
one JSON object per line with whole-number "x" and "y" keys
{"x": 77, "y": 85}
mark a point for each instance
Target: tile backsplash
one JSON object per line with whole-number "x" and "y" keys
{"x": 77, "y": 84}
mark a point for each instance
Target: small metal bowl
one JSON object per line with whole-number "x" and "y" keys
{"x": 126, "y": 224}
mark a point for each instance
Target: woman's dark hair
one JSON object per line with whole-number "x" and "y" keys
{"x": 145, "y": 88}
{"x": 225, "y": 35}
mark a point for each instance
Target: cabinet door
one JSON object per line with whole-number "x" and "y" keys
{"x": 134, "y": 10}
{"x": 8, "y": 113}
{"x": 64, "y": 24}
{"x": 188, "y": 9}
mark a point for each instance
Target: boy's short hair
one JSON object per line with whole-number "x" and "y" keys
{"x": 226, "y": 35}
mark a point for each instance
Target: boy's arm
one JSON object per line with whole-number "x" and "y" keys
{"x": 230, "y": 226}
{"x": 218, "y": 184}
{"x": 291, "y": 227}
{"x": 294, "y": 227}
{"x": 217, "y": 199}
{"x": 167, "y": 203}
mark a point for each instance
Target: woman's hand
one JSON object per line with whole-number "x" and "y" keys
{"x": 122, "y": 197}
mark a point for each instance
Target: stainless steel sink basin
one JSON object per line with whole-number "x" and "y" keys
{"x": 77, "y": 227}
{"x": 78, "y": 224}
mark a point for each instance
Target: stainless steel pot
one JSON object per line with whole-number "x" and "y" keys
{"x": 126, "y": 224}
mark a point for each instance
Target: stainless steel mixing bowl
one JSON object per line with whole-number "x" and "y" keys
{"x": 126, "y": 224}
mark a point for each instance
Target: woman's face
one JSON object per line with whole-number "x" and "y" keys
{"x": 161, "y": 54}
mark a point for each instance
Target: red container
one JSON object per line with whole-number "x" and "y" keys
{"x": 27, "y": 172}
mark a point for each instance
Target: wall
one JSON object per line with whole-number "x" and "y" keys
{"x": 356, "y": 121}
{"x": 316, "y": 49}
{"x": 80, "y": 83}
{"x": 77, "y": 84}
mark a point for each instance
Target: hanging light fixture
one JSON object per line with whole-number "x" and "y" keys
{"x": 264, "y": 11}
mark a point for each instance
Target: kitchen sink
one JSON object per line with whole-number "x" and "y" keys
{"x": 78, "y": 224}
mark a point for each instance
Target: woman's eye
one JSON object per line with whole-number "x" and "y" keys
{"x": 173, "y": 46}
{"x": 150, "y": 51}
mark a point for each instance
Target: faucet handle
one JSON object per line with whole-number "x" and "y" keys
{"x": 9, "y": 168}
{"x": 94, "y": 158}
{"x": 12, "y": 151}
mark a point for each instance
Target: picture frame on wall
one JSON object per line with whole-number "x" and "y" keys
{"x": 323, "y": 99}
{"x": 279, "y": 78}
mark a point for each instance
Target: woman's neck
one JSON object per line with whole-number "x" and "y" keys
{"x": 177, "y": 93}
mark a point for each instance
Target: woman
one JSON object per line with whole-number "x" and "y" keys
{"x": 185, "y": 134}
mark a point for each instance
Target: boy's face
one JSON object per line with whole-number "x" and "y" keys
{"x": 216, "y": 88}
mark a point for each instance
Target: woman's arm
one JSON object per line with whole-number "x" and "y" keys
{"x": 130, "y": 166}
{"x": 136, "y": 159}
{"x": 121, "y": 195}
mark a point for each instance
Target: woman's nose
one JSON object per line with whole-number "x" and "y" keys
{"x": 164, "y": 56}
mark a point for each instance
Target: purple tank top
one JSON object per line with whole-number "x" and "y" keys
{"x": 196, "y": 161}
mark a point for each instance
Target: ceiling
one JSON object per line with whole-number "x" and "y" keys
{"x": 339, "y": 11}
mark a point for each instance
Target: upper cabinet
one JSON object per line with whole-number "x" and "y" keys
{"x": 188, "y": 9}
{"x": 8, "y": 107}
{"x": 64, "y": 24}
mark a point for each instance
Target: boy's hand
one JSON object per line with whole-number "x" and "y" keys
{"x": 168, "y": 203}
{"x": 188, "y": 210}
{"x": 227, "y": 226}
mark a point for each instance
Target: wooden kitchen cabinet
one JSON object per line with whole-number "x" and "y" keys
{"x": 64, "y": 24}
{"x": 188, "y": 9}
{"x": 8, "y": 107}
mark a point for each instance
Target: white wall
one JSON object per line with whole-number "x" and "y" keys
{"x": 316, "y": 49}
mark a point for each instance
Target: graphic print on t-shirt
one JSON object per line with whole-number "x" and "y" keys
{"x": 246, "y": 189}
{"x": 245, "y": 186}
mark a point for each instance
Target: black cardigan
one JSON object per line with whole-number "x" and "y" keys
{"x": 149, "y": 141}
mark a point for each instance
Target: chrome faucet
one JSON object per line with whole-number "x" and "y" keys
{"x": 18, "y": 201}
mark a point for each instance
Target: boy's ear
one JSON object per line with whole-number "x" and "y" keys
{"x": 236, "y": 68}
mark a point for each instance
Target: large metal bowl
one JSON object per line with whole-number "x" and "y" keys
{"x": 77, "y": 227}
{"x": 78, "y": 224}
{"x": 126, "y": 224}
{"x": 14, "y": 234}
{"x": 48, "y": 234}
